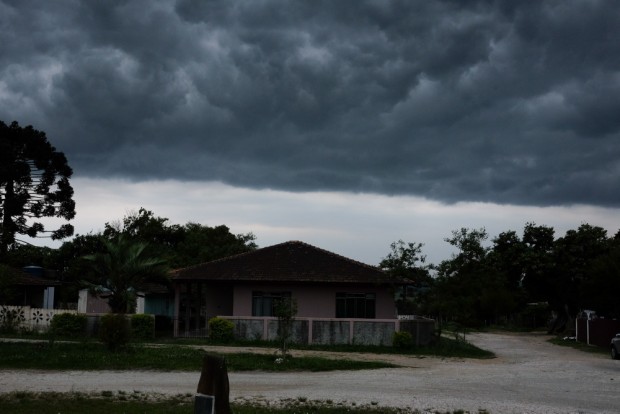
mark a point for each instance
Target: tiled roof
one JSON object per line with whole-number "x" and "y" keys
{"x": 292, "y": 261}
{"x": 25, "y": 279}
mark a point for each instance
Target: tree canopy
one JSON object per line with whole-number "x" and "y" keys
{"x": 522, "y": 279}
{"x": 34, "y": 183}
{"x": 181, "y": 245}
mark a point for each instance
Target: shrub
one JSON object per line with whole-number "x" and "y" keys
{"x": 163, "y": 324}
{"x": 10, "y": 319}
{"x": 221, "y": 330}
{"x": 68, "y": 324}
{"x": 143, "y": 326}
{"x": 402, "y": 340}
{"x": 114, "y": 331}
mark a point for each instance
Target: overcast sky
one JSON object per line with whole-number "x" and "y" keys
{"x": 346, "y": 124}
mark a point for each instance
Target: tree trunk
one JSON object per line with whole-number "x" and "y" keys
{"x": 214, "y": 381}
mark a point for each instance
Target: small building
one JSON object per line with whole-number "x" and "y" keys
{"x": 326, "y": 286}
{"x": 153, "y": 299}
{"x": 33, "y": 286}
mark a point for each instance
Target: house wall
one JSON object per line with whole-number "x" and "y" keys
{"x": 219, "y": 300}
{"x": 316, "y": 301}
{"x": 88, "y": 303}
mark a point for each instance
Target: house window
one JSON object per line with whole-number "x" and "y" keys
{"x": 263, "y": 303}
{"x": 355, "y": 305}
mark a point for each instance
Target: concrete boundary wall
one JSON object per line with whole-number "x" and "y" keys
{"x": 334, "y": 331}
{"x": 25, "y": 317}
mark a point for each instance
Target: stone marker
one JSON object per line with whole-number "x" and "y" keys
{"x": 214, "y": 382}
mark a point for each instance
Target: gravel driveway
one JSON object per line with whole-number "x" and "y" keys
{"x": 528, "y": 376}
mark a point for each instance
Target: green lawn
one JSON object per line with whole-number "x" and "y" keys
{"x": 579, "y": 345}
{"x": 94, "y": 356}
{"x": 109, "y": 402}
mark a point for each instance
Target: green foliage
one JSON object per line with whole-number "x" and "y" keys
{"x": 405, "y": 260}
{"x": 114, "y": 331}
{"x": 122, "y": 269}
{"x": 94, "y": 356}
{"x": 34, "y": 182}
{"x": 143, "y": 326}
{"x": 8, "y": 276}
{"x": 407, "y": 263}
{"x": 137, "y": 402}
{"x": 68, "y": 324}
{"x": 179, "y": 245}
{"x": 10, "y": 319}
{"x": 221, "y": 330}
{"x": 285, "y": 310}
{"x": 402, "y": 340}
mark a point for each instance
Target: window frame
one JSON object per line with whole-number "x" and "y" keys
{"x": 356, "y": 305}
{"x": 264, "y": 302}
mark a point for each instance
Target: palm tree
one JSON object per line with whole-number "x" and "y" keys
{"x": 122, "y": 269}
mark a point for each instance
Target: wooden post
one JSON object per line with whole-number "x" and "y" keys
{"x": 188, "y": 307}
{"x": 177, "y": 305}
{"x": 214, "y": 381}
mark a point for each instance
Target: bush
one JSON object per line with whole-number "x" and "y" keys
{"x": 68, "y": 324}
{"x": 221, "y": 330}
{"x": 10, "y": 319}
{"x": 143, "y": 326}
{"x": 163, "y": 325}
{"x": 114, "y": 331}
{"x": 402, "y": 340}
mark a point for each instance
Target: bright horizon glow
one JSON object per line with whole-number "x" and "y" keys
{"x": 356, "y": 225}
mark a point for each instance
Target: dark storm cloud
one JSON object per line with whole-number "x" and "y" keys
{"x": 510, "y": 102}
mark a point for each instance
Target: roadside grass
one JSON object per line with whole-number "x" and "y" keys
{"x": 444, "y": 347}
{"x": 450, "y": 345}
{"x": 579, "y": 345}
{"x": 94, "y": 356}
{"x": 136, "y": 402}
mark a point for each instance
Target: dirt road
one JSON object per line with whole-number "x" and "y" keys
{"x": 528, "y": 376}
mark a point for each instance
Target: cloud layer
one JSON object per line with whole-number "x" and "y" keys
{"x": 359, "y": 226}
{"x": 502, "y": 102}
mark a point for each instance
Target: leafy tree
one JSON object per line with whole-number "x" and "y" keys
{"x": 600, "y": 290}
{"x": 538, "y": 262}
{"x": 28, "y": 255}
{"x": 123, "y": 268}
{"x": 507, "y": 257}
{"x": 34, "y": 183}
{"x": 145, "y": 227}
{"x": 203, "y": 243}
{"x": 181, "y": 246}
{"x": 460, "y": 280}
{"x": 469, "y": 243}
{"x": 470, "y": 288}
{"x": 574, "y": 256}
{"x": 406, "y": 262}
{"x": 285, "y": 310}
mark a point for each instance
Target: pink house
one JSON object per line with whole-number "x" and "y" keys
{"x": 325, "y": 285}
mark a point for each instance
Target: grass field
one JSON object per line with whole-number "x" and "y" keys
{"x": 109, "y": 402}
{"x": 94, "y": 356}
